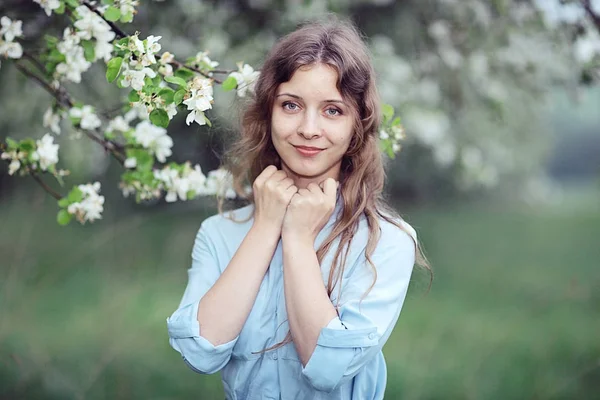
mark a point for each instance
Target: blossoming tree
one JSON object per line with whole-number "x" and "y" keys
{"x": 159, "y": 87}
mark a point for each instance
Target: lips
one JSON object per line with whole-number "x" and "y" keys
{"x": 308, "y": 151}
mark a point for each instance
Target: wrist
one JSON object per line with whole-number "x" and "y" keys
{"x": 298, "y": 236}
{"x": 266, "y": 229}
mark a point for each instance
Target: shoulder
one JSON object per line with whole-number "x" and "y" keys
{"x": 228, "y": 222}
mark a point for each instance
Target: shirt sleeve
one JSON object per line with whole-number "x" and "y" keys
{"x": 361, "y": 328}
{"x": 183, "y": 327}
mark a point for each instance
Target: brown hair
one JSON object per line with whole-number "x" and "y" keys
{"x": 339, "y": 45}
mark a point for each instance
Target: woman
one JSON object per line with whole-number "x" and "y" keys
{"x": 294, "y": 296}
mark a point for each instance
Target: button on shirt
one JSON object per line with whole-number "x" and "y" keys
{"x": 347, "y": 362}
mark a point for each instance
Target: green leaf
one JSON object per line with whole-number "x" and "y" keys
{"x": 12, "y": 144}
{"x": 208, "y": 121}
{"x": 60, "y": 9}
{"x": 184, "y": 73}
{"x": 176, "y": 80}
{"x": 72, "y": 3}
{"x": 127, "y": 17}
{"x": 133, "y": 96}
{"x": 190, "y": 194}
{"x": 63, "y": 217}
{"x": 229, "y": 84}
{"x": 388, "y": 112}
{"x": 27, "y": 145}
{"x": 89, "y": 50}
{"x": 167, "y": 94}
{"x": 75, "y": 195}
{"x": 112, "y": 14}
{"x": 64, "y": 202}
{"x": 178, "y": 97}
{"x": 159, "y": 118}
{"x": 113, "y": 68}
{"x": 108, "y": 2}
{"x": 396, "y": 121}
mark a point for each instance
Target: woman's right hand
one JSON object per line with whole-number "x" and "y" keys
{"x": 273, "y": 190}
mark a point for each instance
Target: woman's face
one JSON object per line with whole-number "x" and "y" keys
{"x": 311, "y": 125}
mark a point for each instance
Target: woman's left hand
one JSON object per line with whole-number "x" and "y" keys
{"x": 309, "y": 210}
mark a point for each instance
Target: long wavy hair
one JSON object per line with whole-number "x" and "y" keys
{"x": 338, "y": 45}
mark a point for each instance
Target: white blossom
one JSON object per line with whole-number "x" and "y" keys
{"x": 220, "y": 182}
{"x": 48, "y": 5}
{"x": 89, "y": 120}
{"x": 91, "y": 25}
{"x": 11, "y": 49}
{"x": 90, "y": 208}
{"x": 10, "y": 29}
{"x": 154, "y": 138}
{"x": 135, "y": 78}
{"x": 46, "y": 152}
{"x": 14, "y": 166}
{"x": 131, "y": 162}
{"x": 51, "y": 120}
{"x": 128, "y": 6}
{"x": 199, "y": 101}
{"x": 203, "y": 60}
{"x": 118, "y": 124}
{"x": 246, "y": 78}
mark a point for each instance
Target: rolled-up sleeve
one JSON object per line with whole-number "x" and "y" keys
{"x": 361, "y": 329}
{"x": 183, "y": 327}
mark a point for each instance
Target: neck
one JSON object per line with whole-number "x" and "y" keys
{"x": 302, "y": 181}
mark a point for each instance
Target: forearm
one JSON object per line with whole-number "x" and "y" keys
{"x": 225, "y": 307}
{"x": 308, "y": 306}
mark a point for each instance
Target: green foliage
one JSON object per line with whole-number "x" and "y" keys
{"x": 133, "y": 96}
{"x": 229, "y": 84}
{"x": 184, "y": 74}
{"x": 159, "y": 117}
{"x": 113, "y": 68}
{"x": 63, "y": 217}
{"x": 89, "y": 50}
{"x": 112, "y": 14}
{"x": 176, "y": 80}
{"x": 167, "y": 94}
{"x": 178, "y": 96}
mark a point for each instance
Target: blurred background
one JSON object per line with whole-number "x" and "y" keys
{"x": 499, "y": 174}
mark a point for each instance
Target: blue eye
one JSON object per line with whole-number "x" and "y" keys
{"x": 290, "y": 106}
{"x": 334, "y": 113}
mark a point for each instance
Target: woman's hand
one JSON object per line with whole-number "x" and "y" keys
{"x": 273, "y": 191}
{"x": 309, "y": 210}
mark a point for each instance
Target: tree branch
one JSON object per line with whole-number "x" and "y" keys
{"x": 112, "y": 25}
{"x": 47, "y": 188}
{"x": 587, "y": 6}
{"x": 64, "y": 100}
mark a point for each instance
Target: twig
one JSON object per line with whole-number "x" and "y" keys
{"x": 47, "y": 188}
{"x": 587, "y": 6}
{"x": 65, "y": 102}
{"x": 179, "y": 64}
{"x": 113, "y": 26}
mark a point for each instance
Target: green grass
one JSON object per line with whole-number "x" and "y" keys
{"x": 512, "y": 314}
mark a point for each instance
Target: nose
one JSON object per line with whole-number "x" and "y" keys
{"x": 310, "y": 128}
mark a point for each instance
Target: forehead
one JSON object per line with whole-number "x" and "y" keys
{"x": 313, "y": 81}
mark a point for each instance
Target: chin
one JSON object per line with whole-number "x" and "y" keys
{"x": 303, "y": 170}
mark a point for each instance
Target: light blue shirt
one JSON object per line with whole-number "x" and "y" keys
{"x": 347, "y": 362}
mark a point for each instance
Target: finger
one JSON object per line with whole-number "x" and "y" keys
{"x": 314, "y": 188}
{"x": 291, "y": 190}
{"x": 265, "y": 174}
{"x": 286, "y": 183}
{"x": 330, "y": 188}
{"x": 303, "y": 192}
{"x": 278, "y": 176}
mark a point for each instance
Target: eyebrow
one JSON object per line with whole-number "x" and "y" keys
{"x": 300, "y": 98}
